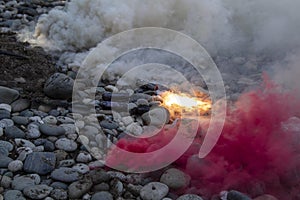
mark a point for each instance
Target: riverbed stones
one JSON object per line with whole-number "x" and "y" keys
{"x": 40, "y": 162}
{"x": 236, "y": 195}
{"x": 15, "y": 166}
{"x": 154, "y": 191}
{"x": 102, "y": 196}
{"x": 20, "y": 105}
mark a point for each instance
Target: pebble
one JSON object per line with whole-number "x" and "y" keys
{"x": 59, "y": 86}
{"x": 51, "y": 130}
{"x": 48, "y": 146}
{"x": 59, "y": 185}
{"x": 81, "y": 168}
{"x": 23, "y": 152}
{"x": 84, "y": 157}
{"x": 175, "y": 179}
{"x": 67, "y": 163}
{"x": 6, "y": 182}
{"x": 69, "y": 128}
{"x": 266, "y": 197}
{"x": 108, "y": 125}
{"x": 111, "y": 88}
{"x": 15, "y": 166}
{"x": 102, "y": 196}
{"x": 20, "y": 105}
{"x": 21, "y": 182}
{"x": 134, "y": 129}
{"x": 6, "y": 123}
{"x": 13, "y": 195}
{"x": 50, "y": 120}
{"x": 158, "y": 117}
{"x": 235, "y": 195}
{"x": 65, "y": 120}
{"x": 6, "y": 107}
{"x": 14, "y": 132}
{"x": 4, "y": 161}
{"x": 66, "y": 144}
{"x": 142, "y": 102}
{"x": 127, "y": 120}
{"x": 1, "y": 131}
{"x": 59, "y": 194}
{"x": 40, "y": 162}
{"x": 37, "y": 191}
{"x": 79, "y": 188}
{"x": 116, "y": 187}
{"x": 33, "y": 131}
{"x": 5, "y": 147}
{"x": 8, "y": 95}
{"x": 24, "y": 143}
{"x": 189, "y": 197}
{"x": 154, "y": 191}
{"x": 65, "y": 174}
{"x": 4, "y": 114}
{"x": 20, "y": 120}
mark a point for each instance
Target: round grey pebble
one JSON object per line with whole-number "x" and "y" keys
{"x": 6, "y": 181}
{"x": 20, "y": 120}
{"x": 21, "y": 182}
{"x": 6, "y": 123}
{"x": 50, "y": 120}
{"x": 66, "y": 144}
{"x": 189, "y": 197}
{"x": 175, "y": 179}
{"x": 64, "y": 174}
{"x": 40, "y": 162}
{"x": 4, "y": 106}
{"x": 20, "y": 105}
{"x": 51, "y": 130}
{"x": 154, "y": 191}
{"x": 102, "y": 196}
{"x": 84, "y": 157}
{"x": 13, "y": 195}
{"x": 15, "y": 166}
{"x": 33, "y": 131}
{"x": 108, "y": 125}
{"x": 37, "y": 191}
{"x": 4, "y": 161}
{"x": 4, "y": 114}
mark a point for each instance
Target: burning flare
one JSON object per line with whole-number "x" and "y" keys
{"x": 178, "y": 103}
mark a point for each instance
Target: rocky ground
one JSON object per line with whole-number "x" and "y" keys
{"x": 41, "y": 156}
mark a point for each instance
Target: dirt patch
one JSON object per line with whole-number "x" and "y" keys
{"x": 24, "y": 67}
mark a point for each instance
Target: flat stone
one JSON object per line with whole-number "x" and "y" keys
{"x": 6, "y": 123}
{"x": 20, "y": 105}
{"x": 4, "y": 114}
{"x": 13, "y": 195}
{"x": 14, "y": 132}
{"x": 40, "y": 162}
{"x": 4, "y": 106}
{"x": 64, "y": 174}
{"x": 4, "y": 161}
{"x": 236, "y": 195}
{"x": 66, "y": 144}
{"x": 21, "y": 182}
{"x": 33, "y": 130}
{"x": 59, "y": 86}
{"x": 189, "y": 197}
{"x": 51, "y": 130}
{"x": 134, "y": 129}
{"x": 154, "y": 191}
{"x": 175, "y": 179}
{"x": 24, "y": 143}
{"x": 79, "y": 188}
{"x": 15, "y": 166}
{"x": 50, "y": 120}
{"x": 108, "y": 125}
{"x": 5, "y": 147}
{"x": 6, "y": 182}
{"x": 20, "y": 120}
{"x": 8, "y": 95}
{"x": 37, "y": 191}
{"x": 127, "y": 120}
{"x": 102, "y": 196}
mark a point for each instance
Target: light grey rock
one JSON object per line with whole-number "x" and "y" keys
{"x": 4, "y": 106}
{"x": 6, "y": 181}
{"x": 127, "y": 120}
{"x": 59, "y": 86}
{"x": 20, "y": 105}
{"x": 6, "y": 123}
{"x": 134, "y": 129}
{"x": 175, "y": 179}
{"x": 108, "y": 125}
{"x": 59, "y": 194}
{"x": 4, "y": 114}
{"x": 8, "y": 95}
{"x": 52, "y": 130}
{"x": 154, "y": 191}
{"x": 15, "y": 166}
{"x": 84, "y": 157}
{"x": 21, "y": 182}
{"x": 24, "y": 143}
{"x": 142, "y": 102}
{"x": 158, "y": 117}
{"x": 33, "y": 131}
{"x": 13, "y": 195}
{"x": 50, "y": 120}
{"x": 189, "y": 197}
{"x": 66, "y": 144}
{"x": 69, "y": 128}
{"x": 65, "y": 120}
{"x": 102, "y": 196}
{"x": 37, "y": 191}
{"x": 40, "y": 162}
{"x": 64, "y": 174}
{"x": 81, "y": 168}
{"x": 79, "y": 188}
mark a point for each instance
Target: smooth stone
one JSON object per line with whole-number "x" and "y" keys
{"x": 64, "y": 174}
{"x": 235, "y": 195}
{"x": 37, "y": 191}
{"x": 102, "y": 196}
{"x": 14, "y": 132}
{"x": 20, "y": 120}
{"x": 23, "y": 152}
{"x": 266, "y": 197}
{"x": 4, "y": 106}
{"x": 8, "y": 95}
{"x": 44, "y": 108}
{"x": 48, "y": 146}
{"x": 69, "y": 128}
{"x": 175, "y": 179}
{"x": 21, "y": 182}
{"x": 154, "y": 191}
{"x": 59, "y": 194}
{"x": 84, "y": 157}
{"x": 111, "y": 88}
{"x": 50, "y": 120}
{"x": 101, "y": 187}
{"x": 59, "y": 185}
{"x": 66, "y": 163}
{"x": 4, "y": 161}
{"x": 79, "y": 188}
{"x": 127, "y": 120}
{"x": 5, "y": 147}
{"x": 1, "y": 131}
{"x": 20, "y": 105}
{"x": 6, "y": 123}
{"x": 13, "y": 195}
{"x": 158, "y": 117}
{"x": 33, "y": 131}
{"x": 117, "y": 187}
{"x": 99, "y": 176}
{"x": 24, "y": 143}
{"x": 81, "y": 168}
{"x": 15, "y": 166}
{"x": 108, "y": 125}
{"x": 65, "y": 120}
{"x": 142, "y": 102}
{"x": 189, "y": 197}
{"x": 26, "y": 113}
{"x": 66, "y": 144}
{"x": 134, "y": 129}
{"x": 59, "y": 86}
{"x": 40, "y": 162}
{"x": 4, "y": 114}
{"x": 6, "y": 182}
{"x": 51, "y": 130}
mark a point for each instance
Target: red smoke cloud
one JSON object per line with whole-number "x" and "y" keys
{"x": 254, "y": 154}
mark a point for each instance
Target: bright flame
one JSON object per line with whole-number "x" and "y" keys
{"x": 177, "y": 103}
